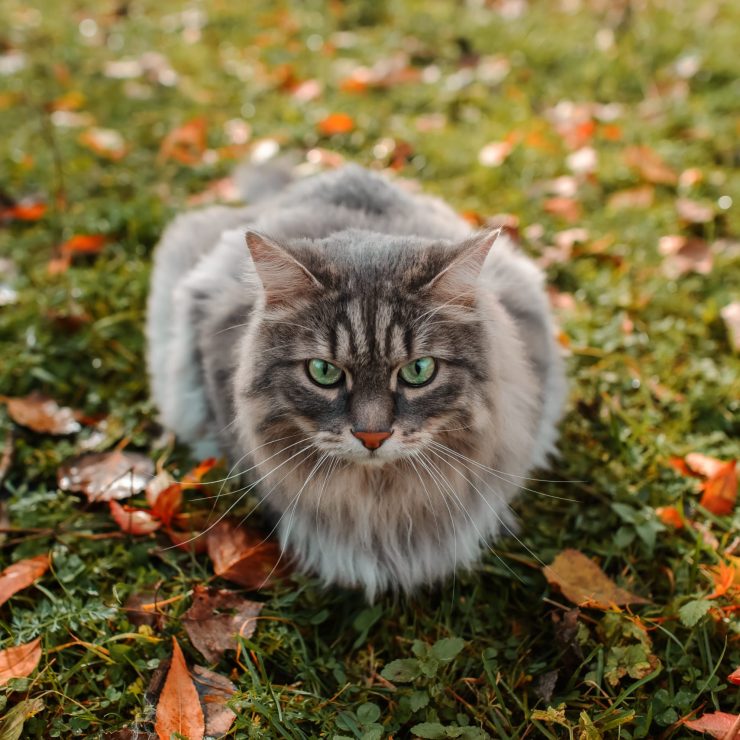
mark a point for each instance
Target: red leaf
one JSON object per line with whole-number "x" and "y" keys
{"x": 178, "y": 709}
{"x": 719, "y": 492}
{"x": 717, "y": 724}
{"x": 168, "y": 503}
{"x": 336, "y": 123}
{"x": 24, "y": 212}
{"x": 18, "y": 576}
{"x": 186, "y": 143}
{"x": 83, "y": 244}
{"x": 19, "y": 661}
{"x": 132, "y": 520}
{"x": 734, "y": 677}
{"x": 104, "y": 476}
{"x": 243, "y": 556}
{"x": 42, "y": 414}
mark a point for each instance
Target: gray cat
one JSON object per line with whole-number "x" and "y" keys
{"x": 384, "y": 377}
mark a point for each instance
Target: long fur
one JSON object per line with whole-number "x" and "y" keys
{"x": 347, "y": 267}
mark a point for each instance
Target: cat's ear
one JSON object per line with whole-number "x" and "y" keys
{"x": 283, "y": 277}
{"x": 458, "y": 278}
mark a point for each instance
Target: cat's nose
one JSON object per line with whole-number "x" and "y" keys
{"x": 372, "y": 440}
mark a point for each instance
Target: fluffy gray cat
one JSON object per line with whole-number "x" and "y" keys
{"x": 384, "y": 377}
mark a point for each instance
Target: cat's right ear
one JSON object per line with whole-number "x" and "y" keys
{"x": 283, "y": 277}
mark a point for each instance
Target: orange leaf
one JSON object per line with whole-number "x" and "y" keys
{"x": 19, "y": 661}
{"x": 568, "y": 209}
{"x": 724, "y": 579}
{"x": 168, "y": 503}
{"x": 585, "y": 584}
{"x": 42, "y": 414}
{"x": 243, "y": 556}
{"x": 185, "y": 144}
{"x": 194, "y": 477}
{"x": 105, "y": 142}
{"x": 178, "y": 709}
{"x": 650, "y": 165}
{"x": 719, "y": 492}
{"x": 24, "y": 212}
{"x": 193, "y": 542}
{"x": 132, "y": 520}
{"x": 83, "y": 244}
{"x": 679, "y": 464}
{"x": 21, "y": 574}
{"x": 734, "y": 677}
{"x": 670, "y": 515}
{"x": 717, "y": 724}
{"x": 703, "y": 464}
{"x": 336, "y": 123}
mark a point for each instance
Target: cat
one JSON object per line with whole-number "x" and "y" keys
{"x": 384, "y": 376}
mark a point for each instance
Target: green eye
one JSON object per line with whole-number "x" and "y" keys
{"x": 418, "y": 372}
{"x": 323, "y": 372}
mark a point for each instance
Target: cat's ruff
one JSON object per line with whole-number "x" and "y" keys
{"x": 348, "y": 267}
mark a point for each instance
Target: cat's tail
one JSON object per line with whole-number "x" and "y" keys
{"x": 258, "y": 181}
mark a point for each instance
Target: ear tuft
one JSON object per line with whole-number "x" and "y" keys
{"x": 283, "y": 277}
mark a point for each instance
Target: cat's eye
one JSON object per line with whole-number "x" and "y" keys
{"x": 323, "y": 373}
{"x": 418, "y": 372}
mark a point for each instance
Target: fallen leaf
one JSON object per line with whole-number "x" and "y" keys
{"x": 723, "y": 575}
{"x": 671, "y": 516}
{"x": 243, "y": 556}
{"x": 105, "y": 142}
{"x": 693, "y": 211}
{"x": 104, "y": 476}
{"x": 168, "y": 503}
{"x": 731, "y": 316}
{"x": 640, "y": 197}
{"x": 186, "y": 143}
{"x": 19, "y": 575}
{"x": 32, "y": 211}
{"x": 703, "y": 464}
{"x": 42, "y": 414}
{"x": 650, "y": 165}
{"x": 192, "y": 541}
{"x": 19, "y": 661}
{"x": 224, "y": 190}
{"x": 495, "y": 153}
{"x": 717, "y": 724}
{"x": 178, "y": 708}
{"x": 132, "y": 520}
{"x": 83, "y": 244}
{"x": 685, "y": 254}
{"x": 12, "y": 724}
{"x": 734, "y": 677}
{"x": 214, "y": 691}
{"x": 336, "y": 123}
{"x": 585, "y": 584}
{"x": 193, "y": 478}
{"x": 215, "y": 619}
{"x": 719, "y": 491}
{"x": 568, "y": 209}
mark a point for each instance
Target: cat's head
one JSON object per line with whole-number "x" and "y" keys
{"x": 368, "y": 347}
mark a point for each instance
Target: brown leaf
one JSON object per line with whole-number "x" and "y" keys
{"x": 19, "y": 661}
{"x": 683, "y": 254}
{"x": 104, "y": 476}
{"x": 731, "y": 316}
{"x": 243, "y": 556}
{"x": 717, "y": 724}
{"x": 11, "y": 727}
{"x": 132, "y": 520}
{"x": 650, "y": 165}
{"x": 186, "y": 143}
{"x": 215, "y": 619}
{"x": 191, "y": 541}
{"x": 585, "y": 584}
{"x": 214, "y": 691}
{"x": 640, "y": 197}
{"x": 568, "y": 209}
{"x": 336, "y": 123}
{"x": 178, "y": 709}
{"x": 719, "y": 491}
{"x": 42, "y": 414}
{"x": 19, "y": 575}
{"x": 693, "y": 211}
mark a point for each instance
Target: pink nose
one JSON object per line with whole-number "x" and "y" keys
{"x": 372, "y": 440}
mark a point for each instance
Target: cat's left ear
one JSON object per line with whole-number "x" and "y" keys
{"x": 460, "y": 276}
{"x": 283, "y": 277}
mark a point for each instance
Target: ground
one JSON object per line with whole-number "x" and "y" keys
{"x": 603, "y": 134}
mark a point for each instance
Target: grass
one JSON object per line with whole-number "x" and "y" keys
{"x": 653, "y": 373}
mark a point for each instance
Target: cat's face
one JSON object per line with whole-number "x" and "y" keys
{"x": 369, "y": 348}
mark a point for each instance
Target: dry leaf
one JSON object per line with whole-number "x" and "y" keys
{"x": 568, "y": 209}
{"x": 192, "y": 541}
{"x": 724, "y": 576}
{"x": 42, "y": 414}
{"x": 495, "y": 153}
{"x": 717, "y": 724}
{"x": 168, "y": 503}
{"x": 186, "y": 143}
{"x": 650, "y": 165}
{"x": 640, "y": 197}
{"x": 32, "y": 211}
{"x": 215, "y": 619}
{"x": 104, "y": 476}
{"x": 585, "y": 584}
{"x": 243, "y": 556}
{"x": 671, "y": 516}
{"x": 83, "y": 244}
{"x": 683, "y": 254}
{"x": 336, "y": 123}
{"x": 703, "y": 464}
{"x": 19, "y": 575}
{"x": 214, "y": 691}
{"x": 105, "y": 142}
{"x": 19, "y": 661}
{"x": 12, "y": 724}
{"x": 178, "y": 708}
{"x": 734, "y": 677}
{"x": 693, "y": 211}
{"x": 132, "y": 520}
{"x": 719, "y": 491}
{"x": 731, "y": 316}
{"x": 195, "y": 476}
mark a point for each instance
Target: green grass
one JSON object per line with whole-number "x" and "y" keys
{"x": 668, "y": 387}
